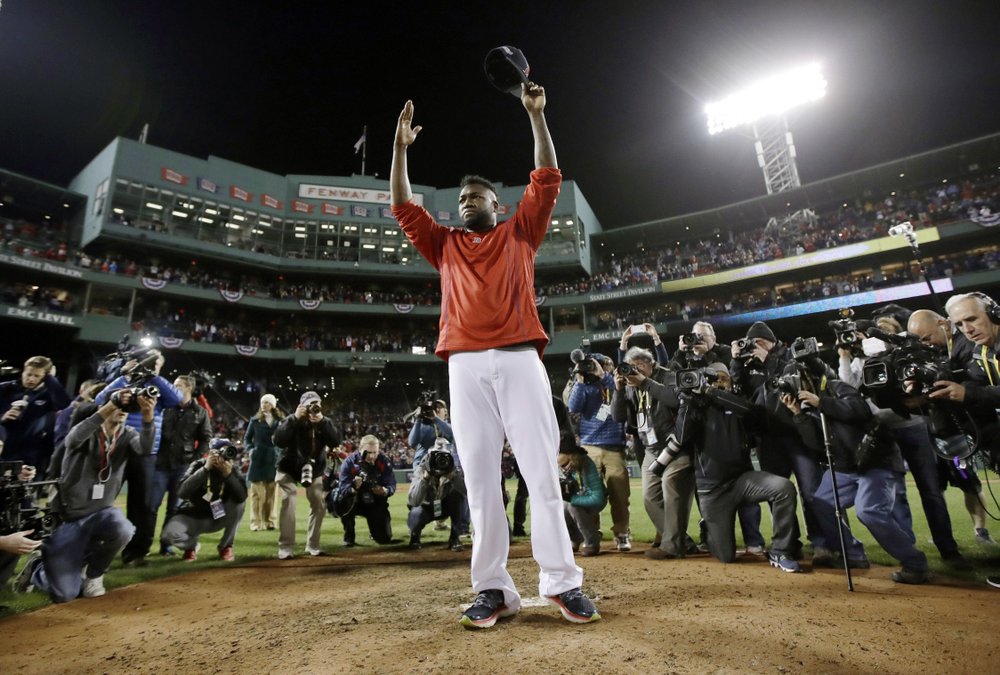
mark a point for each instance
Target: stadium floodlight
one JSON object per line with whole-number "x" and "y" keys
{"x": 762, "y": 107}
{"x": 771, "y": 96}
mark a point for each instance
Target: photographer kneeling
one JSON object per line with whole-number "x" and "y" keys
{"x": 646, "y": 397}
{"x": 305, "y": 438}
{"x": 366, "y": 483}
{"x": 437, "y": 491}
{"x": 867, "y": 463}
{"x": 714, "y": 422}
{"x": 584, "y": 497}
{"x": 213, "y": 494}
{"x": 93, "y": 531}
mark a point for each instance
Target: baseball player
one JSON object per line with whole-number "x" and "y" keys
{"x": 492, "y": 338}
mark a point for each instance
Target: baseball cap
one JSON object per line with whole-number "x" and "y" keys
{"x": 506, "y": 69}
{"x": 308, "y": 397}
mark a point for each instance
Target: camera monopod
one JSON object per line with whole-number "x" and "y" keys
{"x": 836, "y": 500}
{"x": 905, "y": 230}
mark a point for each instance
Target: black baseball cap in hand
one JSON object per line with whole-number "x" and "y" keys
{"x": 506, "y": 69}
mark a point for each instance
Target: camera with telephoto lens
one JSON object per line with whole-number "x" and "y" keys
{"x": 696, "y": 379}
{"x": 20, "y": 504}
{"x": 369, "y": 481}
{"x": 790, "y": 384}
{"x": 306, "y": 477}
{"x": 745, "y": 348}
{"x": 133, "y": 403}
{"x": 669, "y": 453}
{"x": 439, "y": 459}
{"x": 625, "y": 369}
{"x": 314, "y": 408}
{"x": 689, "y": 340}
{"x": 227, "y": 452}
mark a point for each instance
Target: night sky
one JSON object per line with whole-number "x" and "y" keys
{"x": 288, "y": 86}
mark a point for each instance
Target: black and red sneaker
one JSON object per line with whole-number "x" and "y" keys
{"x": 486, "y": 609}
{"x": 575, "y": 606}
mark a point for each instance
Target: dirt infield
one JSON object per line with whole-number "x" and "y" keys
{"x": 391, "y": 610}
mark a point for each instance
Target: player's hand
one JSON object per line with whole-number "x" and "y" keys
{"x": 147, "y": 406}
{"x": 301, "y": 412}
{"x": 533, "y": 97}
{"x": 27, "y": 473}
{"x": 406, "y": 133}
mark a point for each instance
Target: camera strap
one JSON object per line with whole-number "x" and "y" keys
{"x": 107, "y": 450}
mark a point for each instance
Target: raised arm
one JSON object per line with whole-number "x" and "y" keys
{"x": 399, "y": 179}
{"x": 533, "y": 99}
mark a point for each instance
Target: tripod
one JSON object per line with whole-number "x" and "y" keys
{"x": 836, "y": 499}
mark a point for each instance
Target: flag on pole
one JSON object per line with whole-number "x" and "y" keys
{"x": 361, "y": 141}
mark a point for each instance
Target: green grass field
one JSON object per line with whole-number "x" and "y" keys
{"x": 252, "y": 546}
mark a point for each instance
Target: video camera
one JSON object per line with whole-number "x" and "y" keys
{"x": 845, "y": 329}
{"x": 19, "y": 504}
{"x": 203, "y": 381}
{"x": 133, "y": 403}
{"x": 110, "y": 368}
{"x": 906, "y": 359}
{"x": 583, "y": 363}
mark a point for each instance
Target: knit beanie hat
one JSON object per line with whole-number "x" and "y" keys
{"x": 761, "y": 330}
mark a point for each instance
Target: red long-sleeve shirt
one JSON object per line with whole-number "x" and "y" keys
{"x": 487, "y": 279}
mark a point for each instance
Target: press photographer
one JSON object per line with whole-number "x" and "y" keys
{"x": 27, "y": 411}
{"x": 92, "y": 531}
{"x": 716, "y": 423}
{"x": 699, "y": 348}
{"x": 603, "y": 437}
{"x": 366, "y": 483}
{"x": 186, "y": 435}
{"x": 835, "y": 422}
{"x": 645, "y": 398}
{"x": 133, "y": 366}
{"x": 18, "y": 523}
{"x": 757, "y": 359}
{"x": 909, "y": 430}
{"x": 306, "y": 437}
{"x": 213, "y": 493}
{"x": 584, "y": 497}
{"x": 437, "y": 492}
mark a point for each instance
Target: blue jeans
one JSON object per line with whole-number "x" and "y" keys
{"x": 920, "y": 458}
{"x": 139, "y": 473}
{"x": 873, "y": 495}
{"x": 165, "y": 482}
{"x": 92, "y": 541}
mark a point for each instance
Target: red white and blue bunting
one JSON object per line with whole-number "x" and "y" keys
{"x": 171, "y": 342}
{"x": 230, "y": 296}
{"x": 153, "y": 284}
{"x": 309, "y": 305}
{"x": 403, "y": 308}
{"x": 246, "y": 350}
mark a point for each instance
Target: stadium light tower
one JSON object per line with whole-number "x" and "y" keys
{"x": 762, "y": 107}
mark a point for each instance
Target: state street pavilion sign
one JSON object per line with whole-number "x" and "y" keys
{"x": 350, "y": 194}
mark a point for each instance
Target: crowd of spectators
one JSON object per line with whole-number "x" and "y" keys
{"x": 36, "y": 297}
{"x": 865, "y": 219}
{"x": 277, "y": 335}
{"x": 692, "y": 309}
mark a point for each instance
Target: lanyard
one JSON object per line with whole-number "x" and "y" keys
{"x": 986, "y": 365}
{"x": 107, "y": 449}
{"x": 643, "y": 398}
